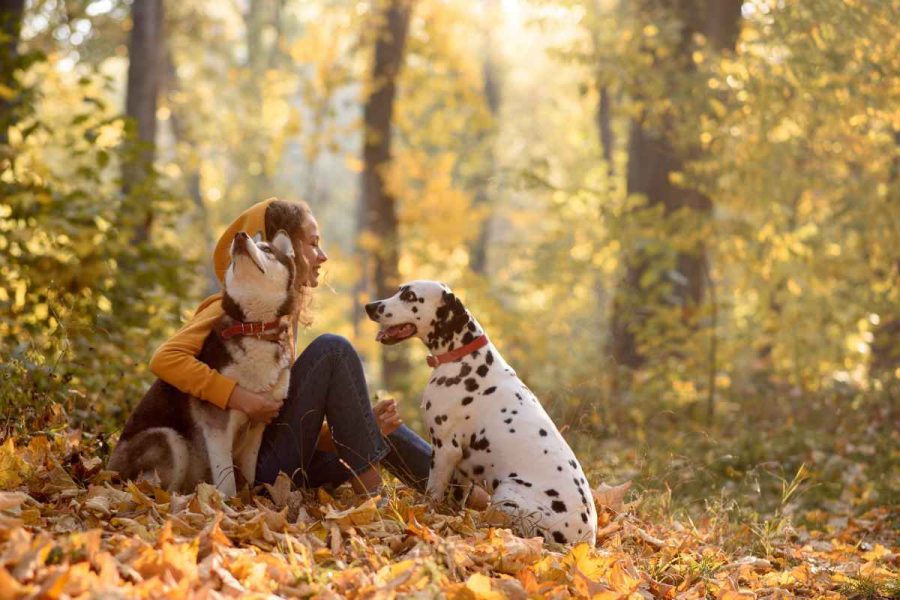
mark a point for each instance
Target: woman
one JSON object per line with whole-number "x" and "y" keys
{"x": 327, "y": 382}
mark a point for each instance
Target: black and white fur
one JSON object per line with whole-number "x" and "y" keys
{"x": 486, "y": 426}
{"x": 185, "y": 440}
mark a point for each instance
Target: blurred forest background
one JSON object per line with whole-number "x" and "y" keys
{"x": 679, "y": 221}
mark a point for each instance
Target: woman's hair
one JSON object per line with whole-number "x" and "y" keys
{"x": 291, "y": 217}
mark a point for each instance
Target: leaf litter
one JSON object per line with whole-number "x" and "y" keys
{"x": 69, "y": 530}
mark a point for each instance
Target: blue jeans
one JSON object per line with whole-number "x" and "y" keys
{"x": 327, "y": 381}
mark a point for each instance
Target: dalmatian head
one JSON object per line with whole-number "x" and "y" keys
{"x": 427, "y": 310}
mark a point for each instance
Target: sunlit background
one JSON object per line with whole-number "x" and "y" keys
{"x": 678, "y": 223}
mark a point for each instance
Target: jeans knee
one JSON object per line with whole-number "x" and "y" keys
{"x": 332, "y": 345}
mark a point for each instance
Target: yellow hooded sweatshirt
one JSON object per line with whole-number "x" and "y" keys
{"x": 175, "y": 361}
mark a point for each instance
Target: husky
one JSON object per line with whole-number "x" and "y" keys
{"x": 486, "y": 426}
{"x": 185, "y": 440}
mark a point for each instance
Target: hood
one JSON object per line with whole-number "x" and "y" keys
{"x": 251, "y": 221}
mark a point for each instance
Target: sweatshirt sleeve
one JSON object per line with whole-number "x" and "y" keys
{"x": 175, "y": 361}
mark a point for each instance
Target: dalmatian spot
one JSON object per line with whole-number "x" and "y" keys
{"x": 441, "y": 380}
{"x": 464, "y": 370}
{"x": 508, "y": 421}
{"x": 471, "y": 385}
{"x": 454, "y": 442}
{"x": 482, "y": 370}
{"x": 489, "y": 390}
{"x": 543, "y": 432}
{"x": 573, "y": 464}
{"x": 552, "y": 493}
{"x": 415, "y": 309}
{"x": 477, "y": 470}
{"x": 468, "y": 337}
{"x": 472, "y": 326}
{"x": 489, "y": 359}
{"x": 503, "y": 410}
{"x": 558, "y": 506}
{"x": 523, "y": 482}
{"x": 427, "y": 404}
{"x": 467, "y": 400}
{"x": 438, "y": 443}
{"x": 558, "y": 468}
{"x": 584, "y": 518}
{"x": 559, "y": 538}
{"x": 512, "y": 430}
{"x": 482, "y": 444}
{"x": 495, "y": 483}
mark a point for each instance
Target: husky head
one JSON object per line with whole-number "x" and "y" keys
{"x": 259, "y": 282}
{"x": 427, "y": 310}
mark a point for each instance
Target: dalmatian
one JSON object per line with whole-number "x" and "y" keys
{"x": 486, "y": 426}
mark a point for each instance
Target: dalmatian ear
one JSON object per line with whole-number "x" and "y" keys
{"x": 282, "y": 241}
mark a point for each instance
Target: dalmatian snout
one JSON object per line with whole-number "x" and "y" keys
{"x": 373, "y": 309}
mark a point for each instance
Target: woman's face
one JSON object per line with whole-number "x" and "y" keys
{"x": 312, "y": 252}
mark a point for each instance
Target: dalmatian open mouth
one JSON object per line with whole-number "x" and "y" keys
{"x": 394, "y": 334}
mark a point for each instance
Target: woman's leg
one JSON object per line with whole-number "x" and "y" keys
{"x": 326, "y": 381}
{"x": 409, "y": 459}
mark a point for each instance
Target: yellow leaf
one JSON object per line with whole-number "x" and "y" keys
{"x": 9, "y": 587}
{"x": 877, "y": 553}
{"x": 12, "y": 467}
{"x": 481, "y": 589}
{"x": 356, "y": 515}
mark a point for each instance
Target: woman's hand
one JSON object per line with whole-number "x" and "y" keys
{"x": 261, "y": 408}
{"x": 387, "y": 417}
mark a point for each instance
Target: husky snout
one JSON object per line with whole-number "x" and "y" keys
{"x": 240, "y": 243}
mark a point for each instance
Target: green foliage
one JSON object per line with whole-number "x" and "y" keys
{"x": 80, "y": 301}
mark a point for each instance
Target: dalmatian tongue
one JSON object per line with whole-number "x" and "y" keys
{"x": 395, "y": 333}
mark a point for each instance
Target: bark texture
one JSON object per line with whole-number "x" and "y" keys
{"x": 379, "y": 206}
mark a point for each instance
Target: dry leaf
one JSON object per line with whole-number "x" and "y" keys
{"x": 610, "y": 497}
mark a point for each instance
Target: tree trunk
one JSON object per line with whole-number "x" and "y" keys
{"x": 10, "y": 28}
{"x": 379, "y": 205}
{"x": 478, "y": 250}
{"x": 652, "y": 158}
{"x": 182, "y": 134}
{"x": 145, "y": 76}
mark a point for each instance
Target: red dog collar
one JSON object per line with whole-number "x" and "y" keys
{"x": 254, "y": 328}
{"x": 453, "y": 355}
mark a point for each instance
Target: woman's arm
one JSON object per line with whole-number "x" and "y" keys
{"x": 175, "y": 361}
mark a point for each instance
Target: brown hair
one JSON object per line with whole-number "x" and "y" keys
{"x": 291, "y": 217}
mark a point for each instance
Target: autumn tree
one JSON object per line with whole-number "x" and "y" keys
{"x": 379, "y": 210}
{"x": 10, "y": 27}
{"x": 492, "y": 95}
{"x": 146, "y": 70}
{"x": 666, "y": 265}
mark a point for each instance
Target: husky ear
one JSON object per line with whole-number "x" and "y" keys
{"x": 258, "y": 237}
{"x": 282, "y": 241}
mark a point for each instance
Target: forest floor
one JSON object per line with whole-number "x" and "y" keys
{"x": 67, "y": 530}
